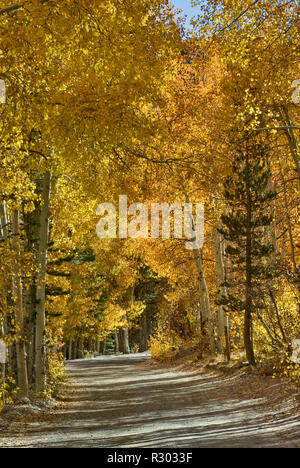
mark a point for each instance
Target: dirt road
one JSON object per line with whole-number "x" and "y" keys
{"x": 120, "y": 402}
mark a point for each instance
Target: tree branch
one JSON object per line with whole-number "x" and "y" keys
{"x": 11, "y": 8}
{"x": 284, "y": 127}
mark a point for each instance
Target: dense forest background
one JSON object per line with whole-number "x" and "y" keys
{"x": 111, "y": 97}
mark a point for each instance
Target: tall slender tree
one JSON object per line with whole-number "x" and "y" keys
{"x": 249, "y": 197}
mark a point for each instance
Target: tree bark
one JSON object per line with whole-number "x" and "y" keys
{"x": 204, "y": 300}
{"x": 19, "y": 318}
{"x": 292, "y": 140}
{"x": 248, "y": 343}
{"x": 288, "y": 220}
{"x": 223, "y": 328}
{"x": 40, "y": 372}
{"x": 3, "y": 232}
{"x": 117, "y": 345}
{"x": 125, "y": 334}
{"x": 206, "y": 315}
{"x": 126, "y": 348}
{"x": 143, "y": 332}
{"x": 70, "y": 349}
{"x": 32, "y": 227}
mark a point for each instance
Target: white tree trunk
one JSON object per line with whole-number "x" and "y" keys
{"x": 220, "y": 267}
{"x": 117, "y": 346}
{"x": 207, "y": 319}
{"x": 125, "y": 334}
{"x": 18, "y": 297}
{"x": 70, "y": 349}
{"x": 3, "y": 234}
{"x": 40, "y": 372}
{"x": 206, "y": 315}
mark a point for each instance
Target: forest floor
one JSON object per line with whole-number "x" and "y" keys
{"x": 130, "y": 401}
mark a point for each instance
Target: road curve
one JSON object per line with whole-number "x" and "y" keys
{"x": 117, "y": 402}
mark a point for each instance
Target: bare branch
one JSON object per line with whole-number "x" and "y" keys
{"x": 284, "y": 127}
{"x": 11, "y": 8}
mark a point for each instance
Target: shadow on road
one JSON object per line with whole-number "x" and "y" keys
{"x": 116, "y": 402}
